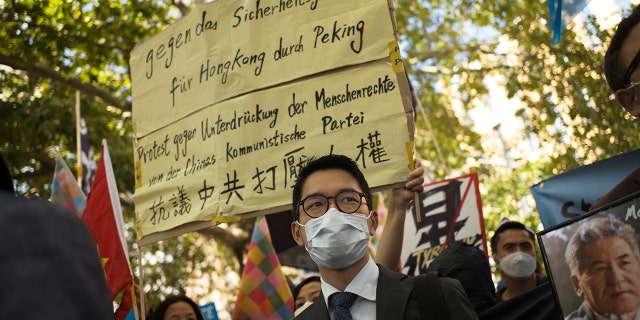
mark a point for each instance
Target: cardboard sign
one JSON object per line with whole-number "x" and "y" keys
{"x": 452, "y": 211}
{"x": 231, "y": 101}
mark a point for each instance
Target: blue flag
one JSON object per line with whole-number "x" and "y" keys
{"x": 570, "y": 194}
{"x": 561, "y": 13}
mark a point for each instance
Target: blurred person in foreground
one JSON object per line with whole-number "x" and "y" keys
{"x": 621, "y": 63}
{"x": 49, "y": 265}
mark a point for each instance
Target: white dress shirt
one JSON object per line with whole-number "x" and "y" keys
{"x": 364, "y": 284}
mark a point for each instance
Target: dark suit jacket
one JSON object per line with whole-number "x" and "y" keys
{"x": 535, "y": 304}
{"x": 395, "y": 300}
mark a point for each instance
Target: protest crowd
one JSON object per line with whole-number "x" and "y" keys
{"x": 52, "y": 270}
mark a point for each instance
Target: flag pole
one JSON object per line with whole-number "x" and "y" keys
{"x": 132, "y": 292}
{"x": 141, "y": 285}
{"x": 412, "y": 166}
{"x": 78, "y": 142}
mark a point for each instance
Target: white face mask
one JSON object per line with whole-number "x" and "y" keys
{"x": 518, "y": 265}
{"x": 337, "y": 240}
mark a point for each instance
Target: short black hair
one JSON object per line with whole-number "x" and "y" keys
{"x": 302, "y": 283}
{"x": 6, "y": 182}
{"x": 613, "y": 69}
{"x": 332, "y": 161}
{"x": 159, "y": 312}
{"x": 505, "y": 225}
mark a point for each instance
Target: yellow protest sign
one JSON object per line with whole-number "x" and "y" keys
{"x": 318, "y": 79}
{"x": 227, "y": 48}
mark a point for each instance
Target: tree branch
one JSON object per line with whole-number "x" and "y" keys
{"x": 237, "y": 244}
{"x": 73, "y": 82}
{"x": 184, "y": 10}
{"x": 47, "y": 167}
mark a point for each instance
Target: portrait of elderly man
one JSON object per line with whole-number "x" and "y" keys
{"x": 604, "y": 261}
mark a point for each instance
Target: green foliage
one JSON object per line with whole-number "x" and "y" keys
{"x": 174, "y": 264}
{"x": 567, "y": 109}
{"x": 50, "y": 50}
{"x": 53, "y": 48}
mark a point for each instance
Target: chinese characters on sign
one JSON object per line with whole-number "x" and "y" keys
{"x": 227, "y": 109}
{"x": 451, "y": 211}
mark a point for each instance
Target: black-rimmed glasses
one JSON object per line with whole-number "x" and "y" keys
{"x": 348, "y": 201}
{"x": 632, "y": 85}
{"x": 632, "y": 67}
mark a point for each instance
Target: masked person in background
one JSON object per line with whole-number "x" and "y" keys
{"x": 513, "y": 248}
{"x": 334, "y": 219}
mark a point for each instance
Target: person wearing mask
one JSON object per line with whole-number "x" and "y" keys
{"x": 513, "y": 250}
{"x": 334, "y": 220}
{"x": 388, "y": 253}
{"x": 604, "y": 260}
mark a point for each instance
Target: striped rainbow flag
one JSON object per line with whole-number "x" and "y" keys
{"x": 264, "y": 292}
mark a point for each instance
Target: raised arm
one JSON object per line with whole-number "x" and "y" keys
{"x": 390, "y": 245}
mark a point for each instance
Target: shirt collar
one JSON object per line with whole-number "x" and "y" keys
{"x": 364, "y": 284}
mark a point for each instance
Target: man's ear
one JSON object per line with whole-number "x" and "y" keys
{"x": 373, "y": 225}
{"x": 296, "y": 232}
{"x": 627, "y": 99}
{"x": 495, "y": 258}
{"x": 575, "y": 282}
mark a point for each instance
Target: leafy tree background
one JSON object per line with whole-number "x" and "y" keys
{"x": 450, "y": 48}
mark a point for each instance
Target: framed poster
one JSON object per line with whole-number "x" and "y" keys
{"x": 593, "y": 261}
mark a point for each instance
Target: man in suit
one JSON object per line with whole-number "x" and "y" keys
{"x": 333, "y": 220}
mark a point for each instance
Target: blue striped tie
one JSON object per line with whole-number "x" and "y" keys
{"x": 342, "y": 301}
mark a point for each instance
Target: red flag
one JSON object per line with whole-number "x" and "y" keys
{"x": 103, "y": 217}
